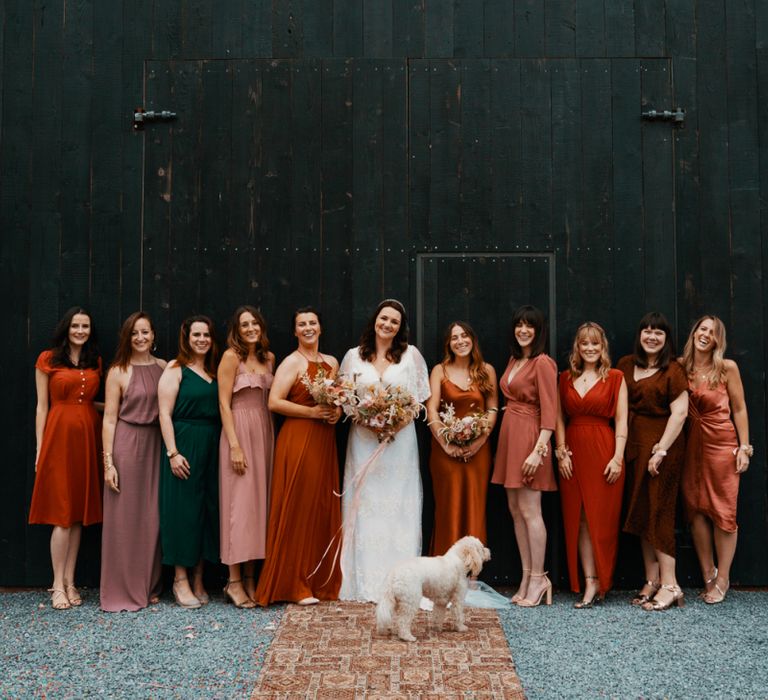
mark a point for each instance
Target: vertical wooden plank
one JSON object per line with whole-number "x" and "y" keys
{"x": 347, "y": 28}
{"x": 287, "y": 29}
{"x": 650, "y": 26}
{"x": 746, "y": 332}
{"x": 197, "y": 28}
{"x": 407, "y": 28}
{"x": 499, "y": 19}
{"x": 225, "y": 30}
{"x": 567, "y": 221}
{"x": 560, "y": 28}
{"x": 419, "y": 153}
{"x": 214, "y": 185}
{"x": 620, "y": 27}
{"x": 318, "y": 28}
{"x": 529, "y": 28}
{"x": 21, "y": 547}
{"x": 590, "y": 28}
{"x": 76, "y": 124}
{"x": 337, "y": 187}
{"x": 468, "y": 29}
{"x": 445, "y": 134}
{"x": 256, "y": 28}
{"x": 761, "y": 25}
{"x": 761, "y": 429}
{"x": 596, "y": 240}
{"x": 658, "y": 194}
{"x": 506, "y": 115}
{"x": 438, "y": 28}
{"x": 377, "y": 29}
{"x": 627, "y": 157}
{"x": 476, "y": 175}
{"x": 166, "y": 23}
{"x": 536, "y": 155}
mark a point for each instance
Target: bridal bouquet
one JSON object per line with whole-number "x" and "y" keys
{"x": 328, "y": 391}
{"x": 462, "y": 431}
{"x": 382, "y": 408}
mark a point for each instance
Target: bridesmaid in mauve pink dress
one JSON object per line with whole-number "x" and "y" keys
{"x": 130, "y": 539}
{"x": 245, "y": 451}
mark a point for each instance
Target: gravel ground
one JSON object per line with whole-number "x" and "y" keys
{"x": 160, "y": 652}
{"x": 619, "y": 651}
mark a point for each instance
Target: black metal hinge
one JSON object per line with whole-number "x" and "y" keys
{"x": 141, "y": 117}
{"x": 676, "y": 116}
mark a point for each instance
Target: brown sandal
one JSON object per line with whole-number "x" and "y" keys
{"x": 74, "y": 600}
{"x": 59, "y": 600}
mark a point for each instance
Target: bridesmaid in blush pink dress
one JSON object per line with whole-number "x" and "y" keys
{"x": 523, "y": 460}
{"x": 245, "y": 452}
{"x": 130, "y": 539}
{"x": 717, "y": 452}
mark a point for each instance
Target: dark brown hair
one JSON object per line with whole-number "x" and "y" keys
{"x": 477, "y": 371}
{"x": 235, "y": 340}
{"x": 89, "y": 354}
{"x": 533, "y": 317}
{"x": 656, "y": 321}
{"x": 367, "y": 347}
{"x": 185, "y": 349}
{"x": 124, "y": 350}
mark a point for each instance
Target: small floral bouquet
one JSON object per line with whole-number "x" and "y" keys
{"x": 462, "y": 431}
{"x": 328, "y": 391}
{"x": 382, "y": 408}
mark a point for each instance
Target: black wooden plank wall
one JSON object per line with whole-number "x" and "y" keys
{"x": 434, "y": 123}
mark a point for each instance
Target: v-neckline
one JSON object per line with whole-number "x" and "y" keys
{"x": 511, "y": 378}
{"x": 586, "y": 393}
{"x": 200, "y": 376}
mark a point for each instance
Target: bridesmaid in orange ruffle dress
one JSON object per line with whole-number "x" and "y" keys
{"x": 523, "y": 461}
{"x": 717, "y": 452}
{"x": 460, "y": 472}
{"x": 304, "y": 514}
{"x": 590, "y": 456}
{"x": 67, "y": 491}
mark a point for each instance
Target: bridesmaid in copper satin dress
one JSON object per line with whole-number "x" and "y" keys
{"x": 590, "y": 454}
{"x": 304, "y": 512}
{"x": 523, "y": 461}
{"x": 658, "y": 405}
{"x": 717, "y": 452}
{"x": 460, "y": 473}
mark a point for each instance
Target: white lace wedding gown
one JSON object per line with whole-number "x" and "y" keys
{"x": 387, "y": 526}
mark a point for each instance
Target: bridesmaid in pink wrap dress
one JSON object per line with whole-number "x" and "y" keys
{"x": 245, "y": 451}
{"x": 523, "y": 460}
{"x": 130, "y": 539}
{"x": 717, "y": 452}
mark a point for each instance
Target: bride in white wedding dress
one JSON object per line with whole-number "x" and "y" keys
{"x": 382, "y": 517}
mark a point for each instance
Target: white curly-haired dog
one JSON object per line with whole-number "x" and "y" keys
{"x": 442, "y": 579}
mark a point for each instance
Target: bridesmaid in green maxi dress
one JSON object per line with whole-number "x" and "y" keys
{"x": 189, "y": 420}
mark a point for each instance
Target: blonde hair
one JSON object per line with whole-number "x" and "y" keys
{"x": 592, "y": 331}
{"x": 718, "y": 373}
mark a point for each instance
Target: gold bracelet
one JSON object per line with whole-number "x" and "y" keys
{"x": 492, "y": 410}
{"x": 746, "y": 449}
{"x": 562, "y": 451}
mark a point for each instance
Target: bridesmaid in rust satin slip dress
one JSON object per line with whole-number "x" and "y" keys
{"x": 658, "y": 405}
{"x": 130, "y": 537}
{"x": 304, "y": 512}
{"x": 523, "y": 460}
{"x": 590, "y": 454}
{"x": 717, "y": 452}
{"x": 460, "y": 472}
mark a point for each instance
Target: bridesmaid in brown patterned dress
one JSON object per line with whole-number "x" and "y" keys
{"x": 658, "y": 405}
{"x": 460, "y": 473}
{"x": 130, "y": 539}
{"x": 717, "y": 452}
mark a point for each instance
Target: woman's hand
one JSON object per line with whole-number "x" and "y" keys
{"x": 656, "y": 459}
{"x": 742, "y": 462}
{"x": 237, "y": 459}
{"x": 323, "y": 412}
{"x": 180, "y": 467}
{"x": 612, "y": 471}
{"x": 110, "y": 478}
{"x": 531, "y": 464}
{"x": 565, "y": 466}
{"x": 335, "y": 417}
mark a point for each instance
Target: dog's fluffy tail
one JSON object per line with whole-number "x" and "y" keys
{"x": 385, "y": 611}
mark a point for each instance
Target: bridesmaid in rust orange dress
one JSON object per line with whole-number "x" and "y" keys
{"x": 658, "y": 405}
{"x": 460, "y": 472}
{"x": 590, "y": 454}
{"x": 717, "y": 452}
{"x": 304, "y": 513}
{"x": 523, "y": 462}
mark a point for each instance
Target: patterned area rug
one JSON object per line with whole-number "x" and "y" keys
{"x": 333, "y": 651}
